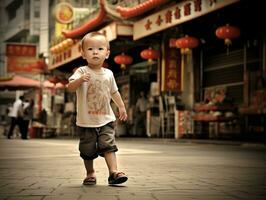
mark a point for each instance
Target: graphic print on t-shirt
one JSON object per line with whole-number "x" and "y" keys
{"x": 97, "y": 97}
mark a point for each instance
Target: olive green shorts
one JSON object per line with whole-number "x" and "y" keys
{"x": 96, "y": 141}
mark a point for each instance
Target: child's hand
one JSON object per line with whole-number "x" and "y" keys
{"x": 85, "y": 77}
{"x": 122, "y": 114}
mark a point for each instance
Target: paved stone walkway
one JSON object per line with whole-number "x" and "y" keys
{"x": 50, "y": 169}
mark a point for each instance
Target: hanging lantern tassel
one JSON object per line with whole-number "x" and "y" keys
{"x": 185, "y": 44}
{"x": 227, "y": 42}
{"x": 123, "y": 66}
{"x": 185, "y": 51}
{"x": 182, "y": 71}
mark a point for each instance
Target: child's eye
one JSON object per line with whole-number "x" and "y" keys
{"x": 101, "y": 48}
{"x": 90, "y": 49}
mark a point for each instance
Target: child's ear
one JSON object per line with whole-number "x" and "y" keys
{"x": 107, "y": 55}
{"x": 82, "y": 54}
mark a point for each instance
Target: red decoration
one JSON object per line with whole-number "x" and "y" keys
{"x": 186, "y": 43}
{"x": 123, "y": 60}
{"x": 64, "y": 81}
{"x": 150, "y": 54}
{"x": 127, "y": 12}
{"x": 54, "y": 79}
{"x": 41, "y": 64}
{"x": 96, "y": 21}
{"x": 227, "y": 33}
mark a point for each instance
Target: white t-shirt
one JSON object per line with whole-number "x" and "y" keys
{"x": 15, "y": 109}
{"x": 141, "y": 104}
{"x": 94, "y": 97}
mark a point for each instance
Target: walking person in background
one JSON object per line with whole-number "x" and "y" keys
{"x": 95, "y": 86}
{"x": 27, "y": 117}
{"x": 16, "y": 116}
{"x": 140, "y": 115}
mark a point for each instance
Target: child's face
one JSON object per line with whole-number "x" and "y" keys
{"x": 95, "y": 50}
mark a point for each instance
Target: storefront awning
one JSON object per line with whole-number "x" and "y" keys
{"x": 20, "y": 82}
{"x": 50, "y": 85}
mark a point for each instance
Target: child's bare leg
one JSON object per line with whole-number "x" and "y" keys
{"x": 111, "y": 162}
{"x": 89, "y": 168}
{"x": 115, "y": 177}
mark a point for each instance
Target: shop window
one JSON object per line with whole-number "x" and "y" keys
{"x": 37, "y": 14}
{"x": 12, "y": 9}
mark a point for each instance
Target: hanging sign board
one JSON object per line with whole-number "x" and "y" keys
{"x": 177, "y": 14}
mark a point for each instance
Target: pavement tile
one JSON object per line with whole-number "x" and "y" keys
{"x": 99, "y": 197}
{"x": 63, "y": 197}
{"x": 157, "y": 171}
{"x": 25, "y": 197}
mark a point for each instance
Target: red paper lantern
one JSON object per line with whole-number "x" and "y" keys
{"x": 123, "y": 60}
{"x": 186, "y": 43}
{"x": 150, "y": 54}
{"x": 227, "y": 33}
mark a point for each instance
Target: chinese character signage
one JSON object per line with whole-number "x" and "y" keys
{"x": 20, "y": 50}
{"x": 177, "y": 14}
{"x": 21, "y": 58}
{"x": 171, "y": 71}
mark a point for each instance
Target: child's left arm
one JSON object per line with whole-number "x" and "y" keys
{"x": 121, "y": 106}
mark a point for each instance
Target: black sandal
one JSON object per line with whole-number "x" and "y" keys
{"x": 89, "y": 181}
{"x": 117, "y": 178}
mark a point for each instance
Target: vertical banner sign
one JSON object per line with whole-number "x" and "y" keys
{"x": 171, "y": 70}
{"x": 21, "y": 58}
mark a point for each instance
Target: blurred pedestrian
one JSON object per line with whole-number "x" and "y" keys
{"x": 16, "y": 115}
{"x": 139, "y": 128}
{"x": 95, "y": 86}
{"x": 43, "y": 117}
{"x": 27, "y": 118}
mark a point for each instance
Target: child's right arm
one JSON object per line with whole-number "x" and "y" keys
{"x": 74, "y": 84}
